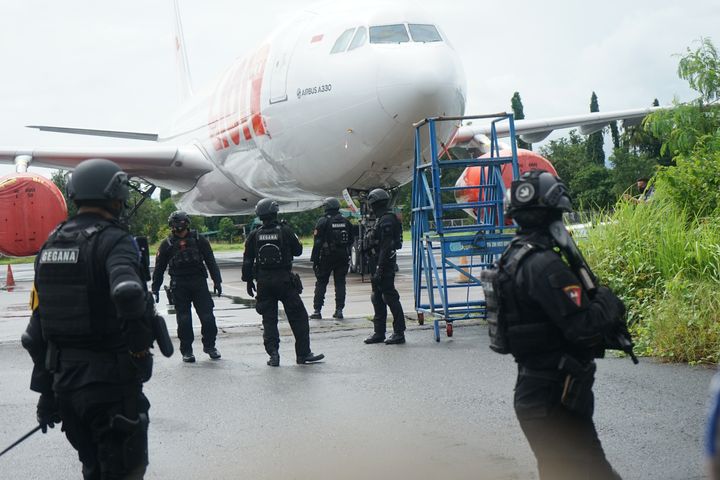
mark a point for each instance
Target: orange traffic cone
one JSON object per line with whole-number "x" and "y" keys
{"x": 9, "y": 279}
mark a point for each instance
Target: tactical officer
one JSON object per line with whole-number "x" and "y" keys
{"x": 333, "y": 238}
{"x": 554, "y": 328}
{"x": 188, "y": 254}
{"x": 382, "y": 241}
{"x": 90, "y": 332}
{"x": 269, "y": 251}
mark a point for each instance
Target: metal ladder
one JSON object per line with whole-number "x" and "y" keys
{"x": 438, "y": 245}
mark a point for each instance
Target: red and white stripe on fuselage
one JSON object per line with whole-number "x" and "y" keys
{"x": 235, "y": 105}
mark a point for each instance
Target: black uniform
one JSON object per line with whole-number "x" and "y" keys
{"x": 554, "y": 331}
{"x": 331, "y": 255}
{"x": 80, "y": 337}
{"x": 269, "y": 251}
{"x": 187, "y": 257}
{"x": 384, "y": 239}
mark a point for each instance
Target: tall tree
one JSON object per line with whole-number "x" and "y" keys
{"x": 517, "y": 108}
{"x": 615, "y": 134}
{"x": 595, "y": 152}
{"x": 164, "y": 194}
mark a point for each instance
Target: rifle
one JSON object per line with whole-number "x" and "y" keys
{"x": 575, "y": 259}
{"x": 20, "y": 440}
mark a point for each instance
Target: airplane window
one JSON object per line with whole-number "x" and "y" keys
{"x": 389, "y": 34}
{"x": 424, "y": 33}
{"x": 342, "y": 42}
{"x": 359, "y": 39}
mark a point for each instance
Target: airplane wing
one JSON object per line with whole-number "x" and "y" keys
{"x": 533, "y": 131}
{"x": 173, "y": 167}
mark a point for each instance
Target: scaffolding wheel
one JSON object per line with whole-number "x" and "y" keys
{"x": 436, "y": 328}
{"x": 449, "y": 329}
{"x": 421, "y": 318}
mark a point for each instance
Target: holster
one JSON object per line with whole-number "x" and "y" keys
{"x": 577, "y": 386}
{"x": 51, "y": 357}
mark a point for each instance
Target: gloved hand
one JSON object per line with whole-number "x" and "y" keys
{"x": 47, "y": 412}
{"x": 377, "y": 276}
{"x": 157, "y": 296}
{"x": 613, "y": 306}
{"x": 143, "y": 362}
{"x": 251, "y": 288}
{"x": 316, "y": 267}
{"x": 217, "y": 288}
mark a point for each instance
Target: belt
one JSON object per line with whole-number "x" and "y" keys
{"x": 81, "y": 355}
{"x": 554, "y": 375}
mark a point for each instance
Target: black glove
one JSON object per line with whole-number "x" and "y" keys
{"x": 143, "y": 362}
{"x": 377, "y": 276}
{"x": 614, "y": 307}
{"x": 251, "y": 288}
{"x": 47, "y": 412}
{"x": 217, "y": 288}
{"x": 316, "y": 267}
{"x": 157, "y": 296}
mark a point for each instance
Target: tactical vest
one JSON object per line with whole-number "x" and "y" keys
{"x": 338, "y": 232}
{"x": 372, "y": 237}
{"x": 517, "y": 330}
{"x": 75, "y": 307}
{"x": 185, "y": 255}
{"x": 269, "y": 247}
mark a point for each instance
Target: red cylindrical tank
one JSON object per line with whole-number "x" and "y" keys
{"x": 31, "y": 206}
{"x": 527, "y": 160}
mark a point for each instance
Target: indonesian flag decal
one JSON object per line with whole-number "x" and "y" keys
{"x": 574, "y": 293}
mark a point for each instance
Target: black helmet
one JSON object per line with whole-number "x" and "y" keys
{"x": 376, "y": 198}
{"x": 179, "y": 220}
{"x": 98, "y": 179}
{"x": 534, "y": 195}
{"x": 266, "y": 208}
{"x": 331, "y": 203}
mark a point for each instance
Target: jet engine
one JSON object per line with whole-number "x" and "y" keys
{"x": 527, "y": 160}
{"x": 31, "y": 206}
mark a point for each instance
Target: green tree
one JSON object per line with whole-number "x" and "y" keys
{"x": 60, "y": 179}
{"x": 164, "y": 194}
{"x": 518, "y": 112}
{"x": 628, "y": 166}
{"x": 226, "y": 229}
{"x": 591, "y": 187}
{"x": 615, "y": 132}
{"x": 595, "y": 151}
{"x": 701, "y": 69}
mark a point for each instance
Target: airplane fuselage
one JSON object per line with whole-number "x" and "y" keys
{"x": 303, "y": 117}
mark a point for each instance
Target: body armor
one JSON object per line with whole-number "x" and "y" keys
{"x": 185, "y": 255}
{"x": 512, "y": 330}
{"x": 269, "y": 247}
{"x": 74, "y": 305}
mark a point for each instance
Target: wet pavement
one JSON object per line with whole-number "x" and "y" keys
{"x": 423, "y": 410}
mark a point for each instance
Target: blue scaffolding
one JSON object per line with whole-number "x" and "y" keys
{"x": 440, "y": 239}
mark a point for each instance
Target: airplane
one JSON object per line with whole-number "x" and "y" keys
{"x": 325, "y": 105}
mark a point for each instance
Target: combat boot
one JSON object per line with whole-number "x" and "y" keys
{"x": 274, "y": 360}
{"x": 316, "y": 315}
{"x": 338, "y": 314}
{"x": 212, "y": 352}
{"x": 188, "y": 357}
{"x": 375, "y": 338}
{"x": 310, "y": 358}
{"x": 395, "y": 339}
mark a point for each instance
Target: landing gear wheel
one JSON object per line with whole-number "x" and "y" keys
{"x": 421, "y": 318}
{"x": 449, "y": 329}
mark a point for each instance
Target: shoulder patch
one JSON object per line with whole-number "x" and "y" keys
{"x": 574, "y": 293}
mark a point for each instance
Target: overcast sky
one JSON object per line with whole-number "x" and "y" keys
{"x": 110, "y": 65}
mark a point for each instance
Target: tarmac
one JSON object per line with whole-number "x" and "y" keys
{"x": 423, "y": 410}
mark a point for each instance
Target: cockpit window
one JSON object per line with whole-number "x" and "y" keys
{"x": 342, "y": 42}
{"x": 424, "y": 33}
{"x": 359, "y": 39}
{"x": 389, "y": 34}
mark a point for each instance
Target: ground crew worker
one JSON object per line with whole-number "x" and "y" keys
{"x": 382, "y": 241}
{"x": 188, "y": 253}
{"x": 268, "y": 257}
{"x": 333, "y": 238}
{"x": 553, "y": 328}
{"x": 90, "y": 332}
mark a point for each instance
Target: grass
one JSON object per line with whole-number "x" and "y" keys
{"x": 665, "y": 264}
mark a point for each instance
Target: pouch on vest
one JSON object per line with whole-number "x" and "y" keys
{"x": 497, "y": 329}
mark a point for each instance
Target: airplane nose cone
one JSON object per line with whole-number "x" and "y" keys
{"x": 427, "y": 82}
